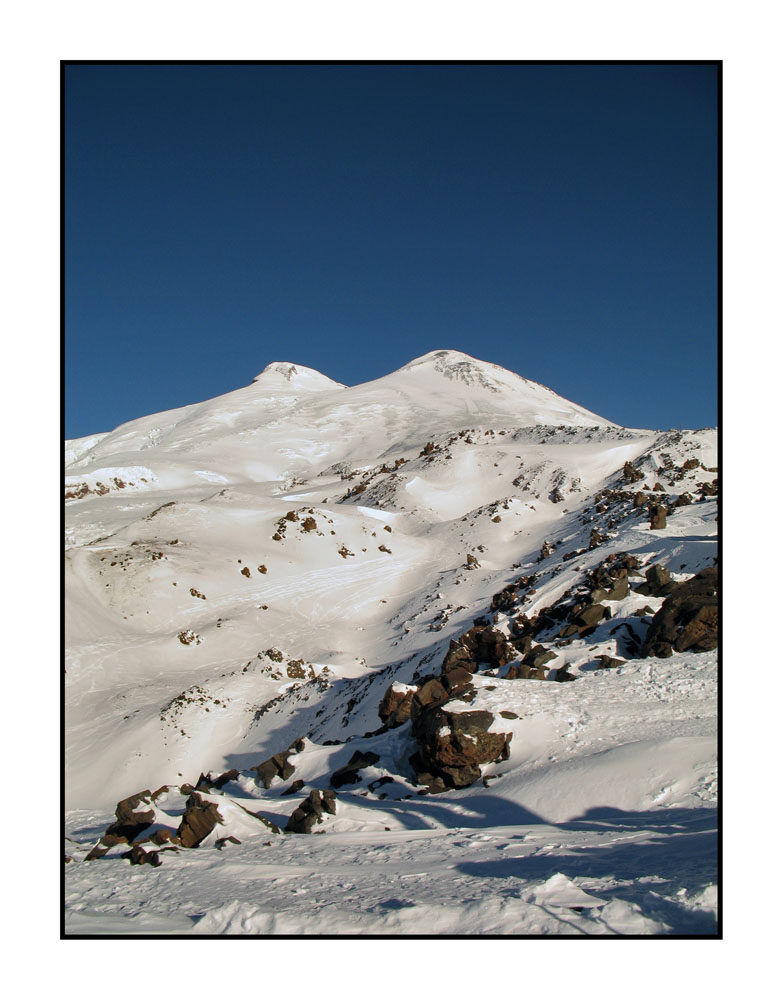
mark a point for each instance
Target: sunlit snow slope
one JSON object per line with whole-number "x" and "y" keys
{"x": 259, "y": 568}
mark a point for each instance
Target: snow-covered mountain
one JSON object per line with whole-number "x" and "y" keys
{"x": 482, "y": 615}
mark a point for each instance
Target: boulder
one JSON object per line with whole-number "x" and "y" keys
{"x": 457, "y": 680}
{"x": 138, "y": 856}
{"x": 199, "y": 819}
{"x": 311, "y": 811}
{"x": 589, "y": 616}
{"x": 657, "y": 513}
{"x": 659, "y": 581}
{"x": 132, "y": 818}
{"x": 538, "y": 656}
{"x": 431, "y": 690}
{"x": 453, "y": 744}
{"x": 349, "y": 773}
{"x": 687, "y": 619}
{"x": 395, "y": 707}
{"x": 278, "y": 766}
{"x": 619, "y": 589}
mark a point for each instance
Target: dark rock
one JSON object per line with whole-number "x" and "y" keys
{"x": 564, "y": 675}
{"x": 688, "y": 618}
{"x": 609, "y": 662}
{"x": 524, "y": 671}
{"x": 294, "y": 787}
{"x": 278, "y": 766}
{"x": 630, "y": 474}
{"x": 640, "y": 499}
{"x": 453, "y": 745}
{"x": 538, "y": 656}
{"x": 658, "y": 578}
{"x": 481, "y": 644}
{"x": 657, "y": 513}
{"x": 395, "y": 707}
{"x": 505, "y": 714}
{"x": 596, "y": 538}
{"x": 692, "y": 463}
{"x": 199, "y": 820}
{"x": 590, "y": 615}
{"x": 138, "y": 856}
{"x": 597, "y": 594}
{"x": 619, "y": 590}
{"x": 683, "y": 500}
{"x": 131, "y": 820}
{"x": 349, "y": 773}
{"x": 221, "y": 843}
{"x": 546, "y": 552}
{"x": 311, "y": 811}
{"x": 457, "y": 679}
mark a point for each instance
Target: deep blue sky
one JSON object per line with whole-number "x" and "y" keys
{"x": 560, "y": 221}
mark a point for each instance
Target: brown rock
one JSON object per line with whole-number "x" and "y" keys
{"x": 199, "y": 820}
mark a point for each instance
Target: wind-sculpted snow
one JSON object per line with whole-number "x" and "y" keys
{"x": 431, "y": 595}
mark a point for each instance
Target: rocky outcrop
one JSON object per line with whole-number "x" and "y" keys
{"x": 395, "y": 707}
{"x": 311, "y": 811}
{"x": 481, "y": 644}
{"x": 200, "y": 819}
{"x": 452, "y": 746}
{"x": 688, "y": 618}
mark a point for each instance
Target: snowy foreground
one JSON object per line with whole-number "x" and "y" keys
{"x": 252, "y": 576}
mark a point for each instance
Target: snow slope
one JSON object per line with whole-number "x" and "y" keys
{"x": 260, "y": 568}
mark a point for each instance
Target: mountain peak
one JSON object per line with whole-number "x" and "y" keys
{"x": 285, "y": 374}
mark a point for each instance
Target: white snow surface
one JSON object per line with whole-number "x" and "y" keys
{"x": 309, "y": 541}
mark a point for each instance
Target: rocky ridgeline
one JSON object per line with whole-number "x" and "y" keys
{"x": 452, "y": 743}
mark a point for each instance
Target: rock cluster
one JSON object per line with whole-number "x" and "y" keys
{"x": 311, "y": 811}
{"x": 452, "y": 746}
{"x": 687, "y": 619}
